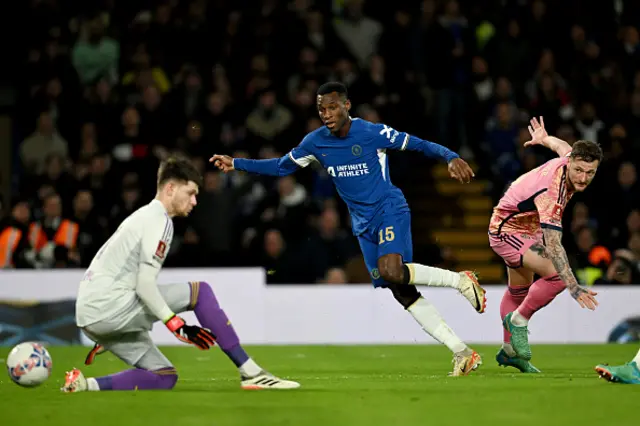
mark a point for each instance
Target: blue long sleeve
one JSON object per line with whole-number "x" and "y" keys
{"x": 430, "y": 149}
{"x": 282, "y": 166}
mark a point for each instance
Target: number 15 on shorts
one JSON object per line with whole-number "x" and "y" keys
{"x": 386, "y": 235}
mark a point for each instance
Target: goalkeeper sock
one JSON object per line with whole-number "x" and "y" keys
{"x": 430, "y": 276}
{"x": 637, "y": 359}
{"x": 211, "y": 316}
{"x": 92, "y": 384}
{"x": 137, "y": 379}
{"x": 250, "y": 369}
{"x": 432, "y": 322}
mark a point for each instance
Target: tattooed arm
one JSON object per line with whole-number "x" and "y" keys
{"x": 558, "y": 255}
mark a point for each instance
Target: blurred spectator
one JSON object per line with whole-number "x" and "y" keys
{"x": 359, "y": 33}
{"x": 278, "y": 259}
{"x": 14, "y": 237}
{"x": 580, "y": 218}
{"x": 214, "y": 219}
{"x": 287, "y": 208}
{"x": 41, "y": 144}
{"x": 512, "y": 54}
{"x": 91, "y": 232}
{"x": 502, "y": 136}
{"x": 95, "y": 55}
{"x": 53, "y": 238}
{"x": 588, "y": 124}
{"x": 328, "y": 247}
{"x": 623, "y": 269}
{"x": 269, "y": 119}
{"x": 627, "y": 194}
{"x": 102, "y": 108}
{"x": 144, "y": 75}
{"x": 188, "y": 95}
{"x": 128, "y": 202}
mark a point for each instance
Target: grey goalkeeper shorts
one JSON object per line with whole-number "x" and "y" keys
{"x": 132, "y": 342}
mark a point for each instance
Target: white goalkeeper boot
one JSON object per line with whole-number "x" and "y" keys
{"x": 471, "y": 290}
{"x": 266, "y": 380}
{"x": 74, "y": 381}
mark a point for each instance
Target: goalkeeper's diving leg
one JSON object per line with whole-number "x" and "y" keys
{"x": 152, "y": 369}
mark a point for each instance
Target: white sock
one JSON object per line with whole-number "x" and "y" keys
{"x": 434, "y": 277}
{"x": 518, "y": 320}
{"x": 432, "y": 322}
{"x": 637, "y": 359}
{"x": 508, "y": 349}
{"x": 249, "y": 368}
{"x": 92, "y": 384}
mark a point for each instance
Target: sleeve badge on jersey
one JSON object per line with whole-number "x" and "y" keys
{"x": 556, "y": 214}
{"x": 160, "y": 250}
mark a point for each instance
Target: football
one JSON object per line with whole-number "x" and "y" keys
{"x": 29, "y": 364}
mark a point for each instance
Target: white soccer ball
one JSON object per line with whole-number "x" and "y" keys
{"x": 29, "y": 364}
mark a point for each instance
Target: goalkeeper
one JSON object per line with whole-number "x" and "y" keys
{"x": 118, "y": 299}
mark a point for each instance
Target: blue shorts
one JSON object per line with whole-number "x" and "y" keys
{"x": 390, "y": 235}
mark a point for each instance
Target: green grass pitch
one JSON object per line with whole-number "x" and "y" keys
{"x": 342, "y": 385}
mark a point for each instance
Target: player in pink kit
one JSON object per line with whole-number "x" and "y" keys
{"x": 526, "y": 231}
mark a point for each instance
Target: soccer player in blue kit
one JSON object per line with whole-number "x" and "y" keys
{"x": 353, "y": 151}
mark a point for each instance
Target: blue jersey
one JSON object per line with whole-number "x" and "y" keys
{"x": 357, "y": 164}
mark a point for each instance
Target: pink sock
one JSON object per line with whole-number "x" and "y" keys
{"x": 512, "y": 298}
{"x": 542, "y": 292}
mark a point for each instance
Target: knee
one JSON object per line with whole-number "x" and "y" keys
{"x": 405, "y": 294}
{"x": 166, "y": 378}
{"x": 172, "y": 379}
{"x": 203, "y": 287}
{"x": 391, "y": 269}
{"x": 199, "y": 289}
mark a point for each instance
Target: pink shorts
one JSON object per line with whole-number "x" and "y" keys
{"x": 511, "y": 247}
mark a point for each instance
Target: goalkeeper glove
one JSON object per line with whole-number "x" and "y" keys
{"x": 192, "y": 334}
{"x": 91, "y": 356}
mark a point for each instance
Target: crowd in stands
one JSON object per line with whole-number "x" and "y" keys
{"x": 109, "y": 88}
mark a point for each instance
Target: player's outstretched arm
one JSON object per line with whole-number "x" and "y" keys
{"x": 273, "y": 167}
{"x": 458, "y": 168}
{"x": 392, "y": 139}
{"x": 556, "y": 252}
{"x": 539, "y": 136}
